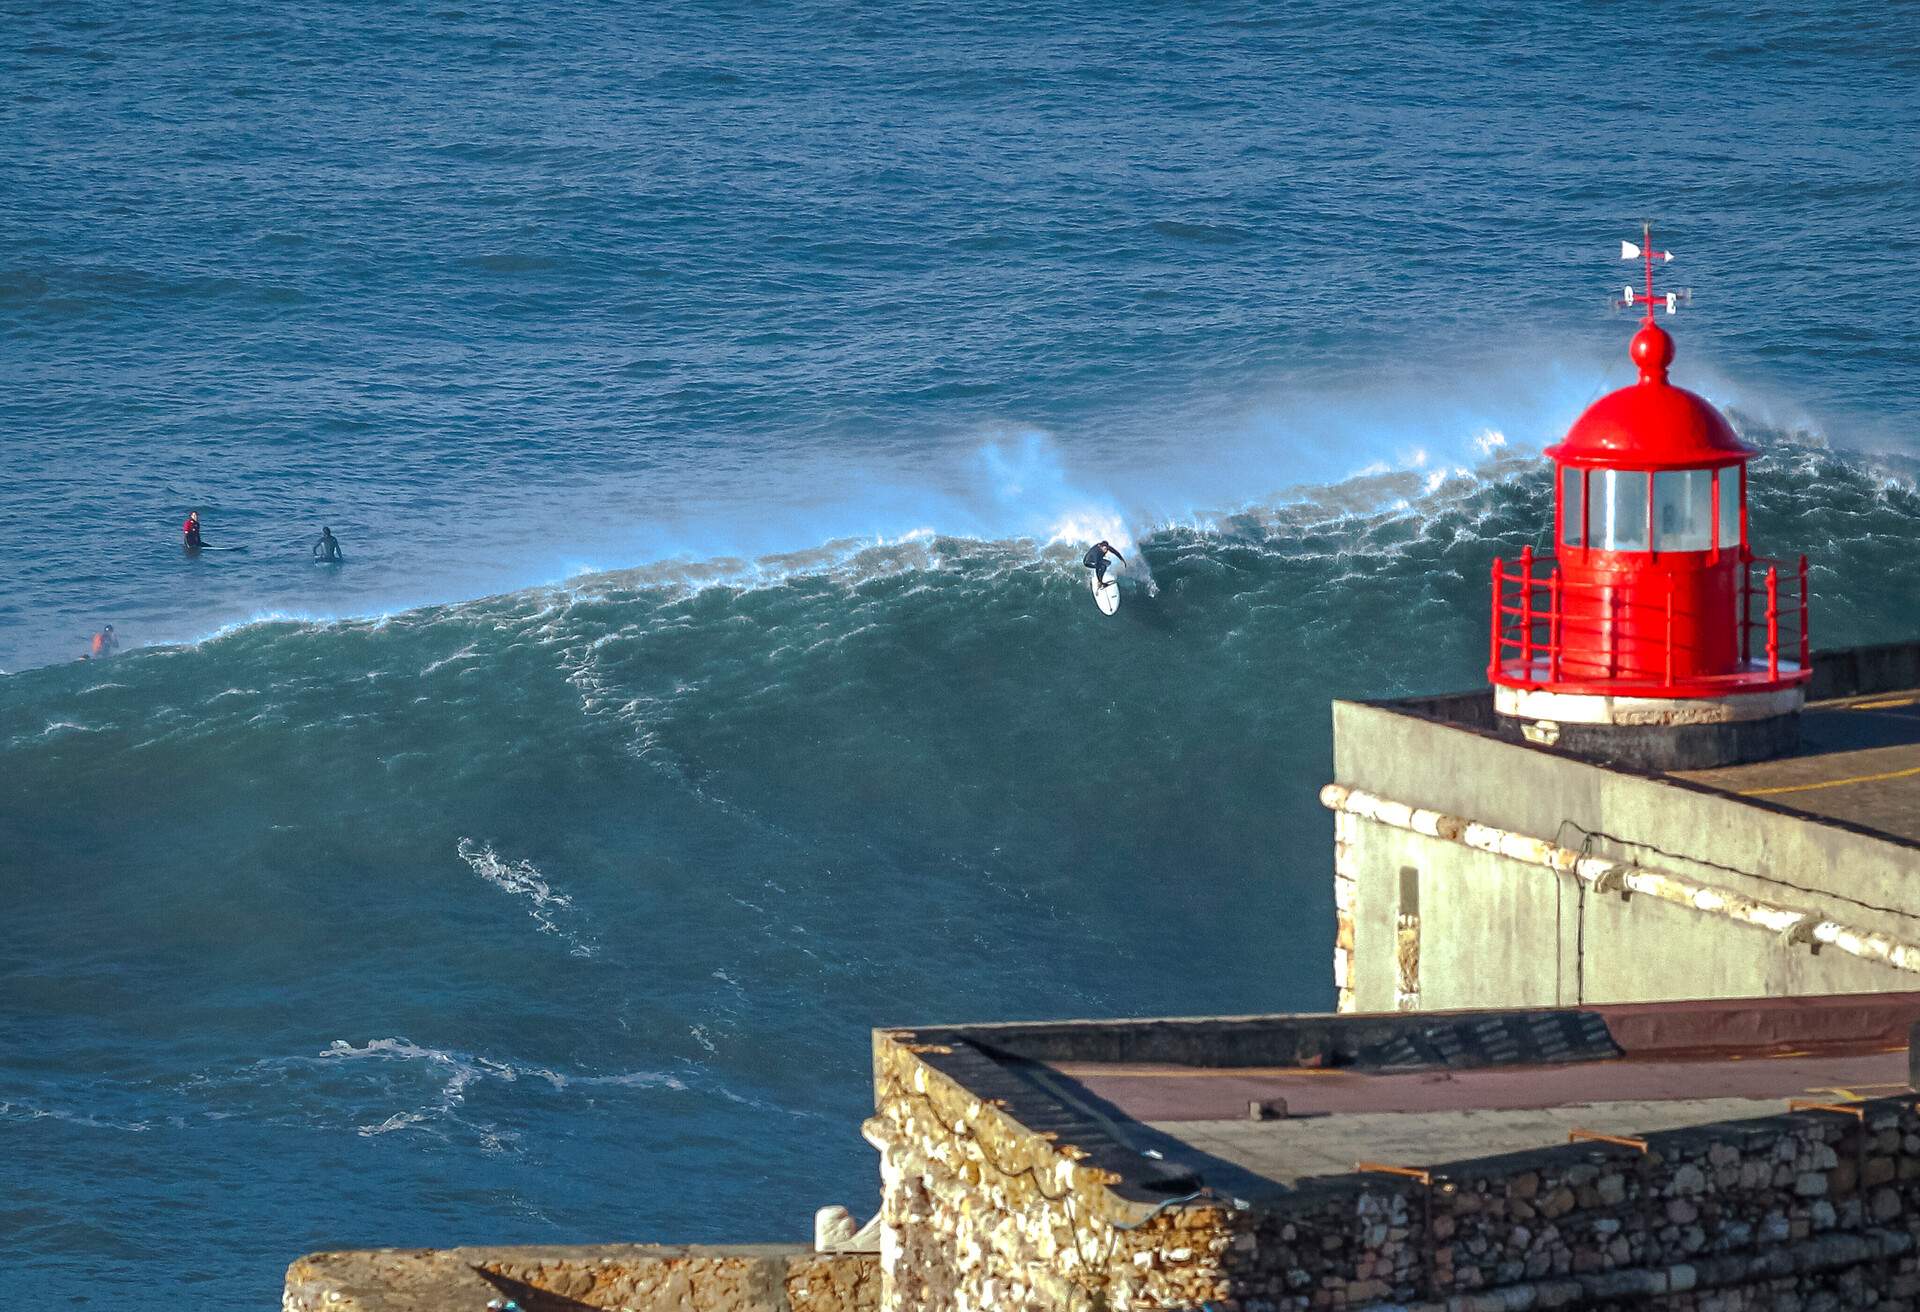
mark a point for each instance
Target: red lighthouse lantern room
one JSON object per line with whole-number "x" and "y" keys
{"x": 1651, "y": 634}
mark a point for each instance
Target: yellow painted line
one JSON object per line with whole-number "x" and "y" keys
{"x": 1831, "y": 783}
{"x": 1883, "y": 706}
{"x": 1857, "y": 1092}
{"x": 1197, "y": 1073}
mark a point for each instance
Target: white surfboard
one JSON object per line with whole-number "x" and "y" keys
{"x": 1107, "y": 598}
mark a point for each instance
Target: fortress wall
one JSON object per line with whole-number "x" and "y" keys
{"x": 983, "y": 1211}
{"x": 603, "y": 1277}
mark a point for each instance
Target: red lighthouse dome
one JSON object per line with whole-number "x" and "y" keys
{"x": 1652, "y": 424}
{"x": 1652, "y": 615}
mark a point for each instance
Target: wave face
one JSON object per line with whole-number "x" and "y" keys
{"x": 455, "y": 924}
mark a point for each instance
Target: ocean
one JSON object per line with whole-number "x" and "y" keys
{"x": 713, "y": 402}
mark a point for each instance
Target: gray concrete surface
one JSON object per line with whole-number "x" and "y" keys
{"x": 1493, "y": 932}
{"x": 1859, "y": 762}
{"x": 1288, "y": 1151}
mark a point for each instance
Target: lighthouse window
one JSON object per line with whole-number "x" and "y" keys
{"x": 1617, "y": 510}
{"x": 1683, "y": 510}
{"x": 1730, "y": 508}
{"x": 1573, "y": 508}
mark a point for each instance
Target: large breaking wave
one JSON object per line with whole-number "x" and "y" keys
{"x": 662, "y": 843}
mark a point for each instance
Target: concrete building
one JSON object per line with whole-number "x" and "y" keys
{"x": 1474, "y": 870}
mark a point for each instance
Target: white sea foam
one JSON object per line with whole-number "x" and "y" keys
{"x": 523, "y": 879}
{"x": 11, "y": 1110}
{"x": 456, "y": 1073}
{"x": 464, "y": 653}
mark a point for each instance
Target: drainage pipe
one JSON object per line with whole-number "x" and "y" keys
{"x": 1605, "y": 876}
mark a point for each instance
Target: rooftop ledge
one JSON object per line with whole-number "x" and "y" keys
{"x": 1420, "y": 1162}
{"x": 1857, "y": 765}
{"x": 1253, "y": 1107}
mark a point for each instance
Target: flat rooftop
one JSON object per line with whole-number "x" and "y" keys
{"x": 1859, "y": 763}
{"x": 1420, "y": 1090}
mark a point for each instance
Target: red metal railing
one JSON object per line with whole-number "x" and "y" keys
{"x": 1527, "y": 637}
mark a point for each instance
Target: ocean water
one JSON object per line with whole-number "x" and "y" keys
{"x": 713, "y": 402}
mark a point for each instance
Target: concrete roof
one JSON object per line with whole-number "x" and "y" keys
{"x": 1337, "y": 1118}
{"x": 1286, "y": 1152}
{"x": 1420, "y": 1090}
{"x": 1859, "y": 763}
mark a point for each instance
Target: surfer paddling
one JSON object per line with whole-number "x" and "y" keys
{"x": 1096, "y": 560}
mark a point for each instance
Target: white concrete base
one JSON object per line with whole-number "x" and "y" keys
{"x": 1555, "y": 708}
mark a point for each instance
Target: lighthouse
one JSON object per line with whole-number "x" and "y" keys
{"x": 1650, "y": 634}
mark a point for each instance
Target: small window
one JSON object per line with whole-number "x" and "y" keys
{"x": 1572, "y": 508}
{"x": 1730, "y": 508}
{"x": 1683, "y": 510}
{"x": 1617, "y": 504}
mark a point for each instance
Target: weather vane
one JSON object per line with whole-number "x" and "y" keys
{"x": 1645, "y": 251}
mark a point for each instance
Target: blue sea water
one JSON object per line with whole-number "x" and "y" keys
{"x": 713, "y": 401}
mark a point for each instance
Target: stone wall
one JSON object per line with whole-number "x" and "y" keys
{"x": 624, "y": 1277}
{"x": 983, "y": 1213}
{"x": 1795, "y": 1212}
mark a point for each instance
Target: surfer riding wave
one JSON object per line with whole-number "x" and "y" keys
{"x": 1096, "y": 560}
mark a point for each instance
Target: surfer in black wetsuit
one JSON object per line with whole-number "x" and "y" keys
{"x": 328, "y": 547}
{"x": 1096, "y": 560}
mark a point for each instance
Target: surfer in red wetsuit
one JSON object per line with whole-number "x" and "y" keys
{"x": 190, "y": 531}
{"x": 104, "y": 643}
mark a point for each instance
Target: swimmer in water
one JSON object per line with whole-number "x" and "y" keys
{"x": 328, "y": 548}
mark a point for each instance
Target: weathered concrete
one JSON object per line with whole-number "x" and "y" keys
{"x": 1291, "y": 1149}
{"x": 1684, "y": 745}
{"x": 1427, "y": 923}
{"x": 1860, "y": 764}
{"x": 1858, "y": 671}
{"x": 635, "y": 1277}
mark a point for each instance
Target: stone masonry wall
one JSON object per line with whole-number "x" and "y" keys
{"x": 1790, "y": 1213}
{"x": 981, "y": 1214}
{"x": 1346, "y": 892}
{"x": 602, "y": 1278}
